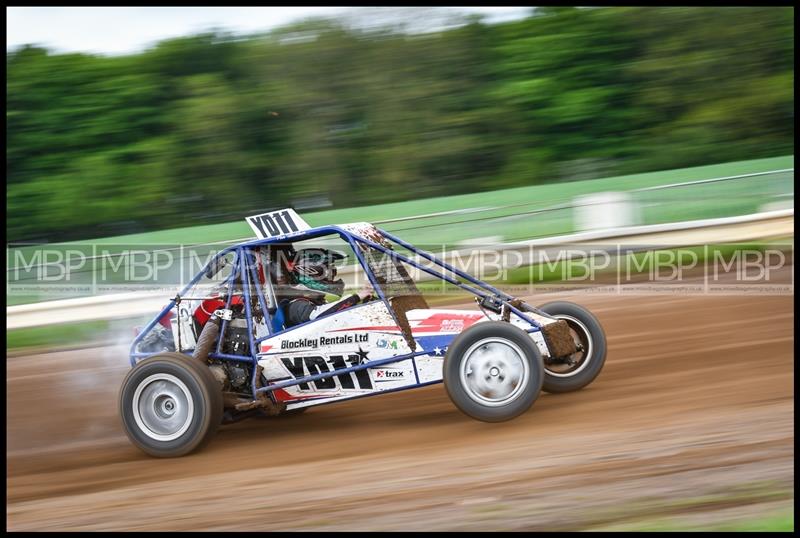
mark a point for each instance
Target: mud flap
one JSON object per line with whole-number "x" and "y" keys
{"x": 401, "y": 305}
{"x": 558, "y": 338}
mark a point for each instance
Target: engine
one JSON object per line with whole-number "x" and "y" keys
{"x": 236, "y": 341}
{"x": 234, "y": 377}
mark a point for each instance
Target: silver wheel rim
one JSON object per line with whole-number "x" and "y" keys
{"x": 494, "y": 372}
{"x": 163, "y": 407}
{"x": 585, "y": 355}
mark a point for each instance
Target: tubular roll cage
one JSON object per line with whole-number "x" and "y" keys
{"x": 243, "y": 266}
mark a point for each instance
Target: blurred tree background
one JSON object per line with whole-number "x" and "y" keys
{"x": 206, "y": 128}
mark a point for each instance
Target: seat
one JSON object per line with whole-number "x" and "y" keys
{"x": 279, "y": 317}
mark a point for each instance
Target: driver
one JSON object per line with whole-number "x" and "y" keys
{"x": 313, "y": 273}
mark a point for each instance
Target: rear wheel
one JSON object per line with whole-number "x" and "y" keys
{"x": 567, "y": 374}
{"x": 170, "y": 405}
{"x": 493, "y": 371}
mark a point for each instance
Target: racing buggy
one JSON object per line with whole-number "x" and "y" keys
{"x": 223, "y": 349}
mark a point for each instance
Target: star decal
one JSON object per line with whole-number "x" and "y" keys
{"x": 362, "y": 356}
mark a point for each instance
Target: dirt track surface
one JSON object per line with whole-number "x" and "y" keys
{"x": 693, "y": 415}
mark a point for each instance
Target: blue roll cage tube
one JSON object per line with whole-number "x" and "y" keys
{"x": 243, "y": 267}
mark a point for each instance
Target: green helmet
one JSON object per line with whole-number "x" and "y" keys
{"x": 314, "y": 271}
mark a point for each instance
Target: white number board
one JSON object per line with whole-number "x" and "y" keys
{"x": 275, "y": 223}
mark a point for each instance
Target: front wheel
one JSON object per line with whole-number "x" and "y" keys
{"x": 567, "y": 374}
{"x": 170, "y": 404}
{"x": 493, "y": 371}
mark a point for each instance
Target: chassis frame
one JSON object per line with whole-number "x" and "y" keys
{"x": 243, "y": 267}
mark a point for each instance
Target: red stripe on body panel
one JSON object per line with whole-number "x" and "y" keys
{"x": 283, "y": 396}
{"x": 447, "y": 322}
{"x": 374, "y": 328}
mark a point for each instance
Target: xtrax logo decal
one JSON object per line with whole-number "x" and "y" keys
{"x": 388, "y": 374}
{"x": 305, "y": 366}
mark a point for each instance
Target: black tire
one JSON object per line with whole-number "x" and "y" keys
{"x": 515, "y": 356}
{"x": 589, "y": 332}
{"x": 144, "y": 423}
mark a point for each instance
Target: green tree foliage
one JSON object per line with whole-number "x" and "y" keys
{"x": 207, "y": 127}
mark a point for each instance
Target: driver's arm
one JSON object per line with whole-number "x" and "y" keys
{"x": 331, "y": 308}
{"x": 302, "y": 310}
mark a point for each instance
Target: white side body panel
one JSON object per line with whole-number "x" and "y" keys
{"x": 355, "y": 336}
{"x": 360, "y": 335}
